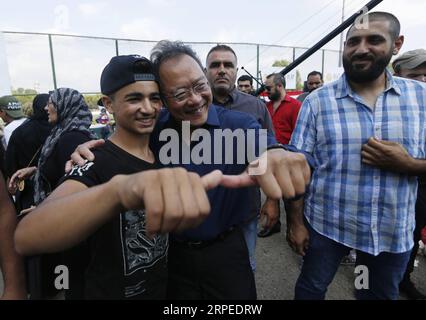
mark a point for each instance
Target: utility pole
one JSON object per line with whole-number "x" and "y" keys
{"x": 341, "y": 36}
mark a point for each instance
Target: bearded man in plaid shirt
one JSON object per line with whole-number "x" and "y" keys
{"x": 366, "y": 133}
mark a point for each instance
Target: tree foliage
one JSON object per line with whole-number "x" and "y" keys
{"x": 26, "y": 97}
{"x": 299, "y": 82}
{"x": 281, "y": 63}
{"x": 92, "y": 100}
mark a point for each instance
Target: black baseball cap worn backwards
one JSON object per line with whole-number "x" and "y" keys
{"x": 124, "y": 70}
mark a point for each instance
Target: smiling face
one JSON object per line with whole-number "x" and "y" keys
{"x": 186, "y": 90}
{"x": 135, "y": 107}
{"x": 52, "y": 113}
{"x": 367, "y": 52}
{"x": 221, "y": 71}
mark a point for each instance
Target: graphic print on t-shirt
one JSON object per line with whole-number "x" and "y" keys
{"x": 125, "y": 263}
{"x": 78, "y": 171}
{"x": 139, "y": 251}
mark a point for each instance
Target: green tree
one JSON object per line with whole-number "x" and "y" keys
{"x": 18, "y": 91}
{"x": 299, "y": 83}
{"x": 25, "y": 97}
{"x": 30, "y": 91}
{"x": 281, "y": 63}
{"x": 92, "y": 100}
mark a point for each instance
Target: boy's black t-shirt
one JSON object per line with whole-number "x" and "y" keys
{"x": 124, "y": 262}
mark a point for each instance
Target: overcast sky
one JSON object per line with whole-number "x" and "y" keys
{"x": 298, "y": 23}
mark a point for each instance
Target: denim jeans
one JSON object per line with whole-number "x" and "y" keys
{"x": 322, "y": 260}
{"x": 250, "y": 235}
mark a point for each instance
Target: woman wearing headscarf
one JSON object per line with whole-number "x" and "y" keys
{"x": 70, "y": 116}
{"x": 24, "y": 149}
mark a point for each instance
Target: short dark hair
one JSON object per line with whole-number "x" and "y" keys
{"x": 314, "y": 73}
{"x": 222, "y": 47}
{"x": 245, "y": 77}
{"x": 278, "y": 79}
{"x": 165, "y": 50}
{"x": 394, "y": 25}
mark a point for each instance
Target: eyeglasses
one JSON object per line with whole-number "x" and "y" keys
{"x": 184, "y": 93}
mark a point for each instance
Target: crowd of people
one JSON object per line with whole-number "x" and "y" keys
{"x": 348, "y": 159}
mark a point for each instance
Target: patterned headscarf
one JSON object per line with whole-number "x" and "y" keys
{"x": 73, "y": 115}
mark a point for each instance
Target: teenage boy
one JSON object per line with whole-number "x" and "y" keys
{"x": 120, "y": 202}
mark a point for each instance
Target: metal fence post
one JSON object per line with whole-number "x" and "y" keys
{"x": 117, "y": 50}
{"x": 322, "y": 63}
{"x": 257, "y": 66}
{"x": 52, "y": 61}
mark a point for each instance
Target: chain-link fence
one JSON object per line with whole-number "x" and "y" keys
{"x": 43, "y": 62}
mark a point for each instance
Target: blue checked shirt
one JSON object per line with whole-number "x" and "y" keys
{"x": 355, "y": 204}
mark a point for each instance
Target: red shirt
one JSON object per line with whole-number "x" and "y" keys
{"x": 284, "y": 118}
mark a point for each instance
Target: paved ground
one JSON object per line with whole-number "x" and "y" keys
{"x": 278, "y": 268}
